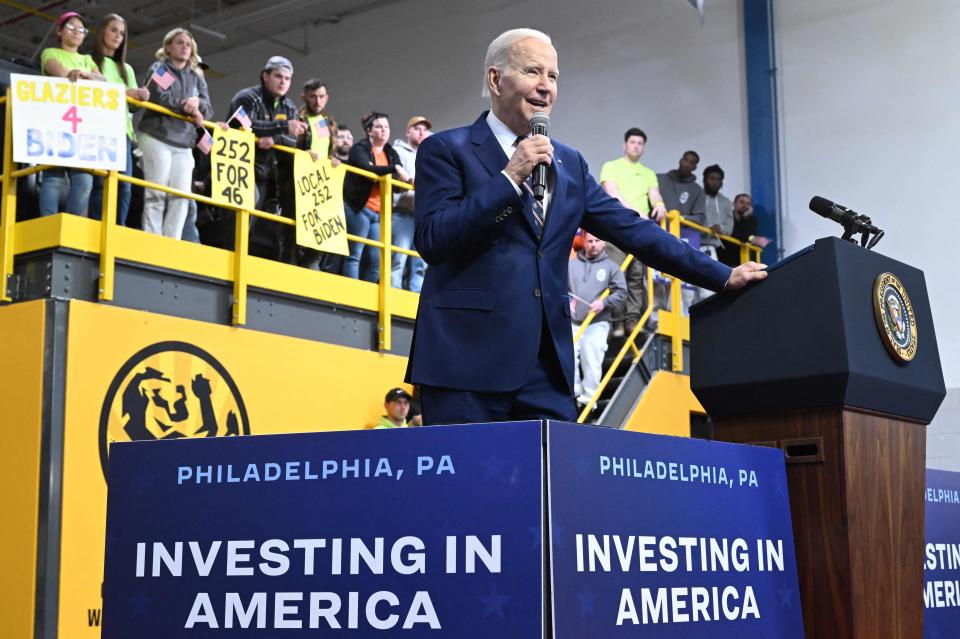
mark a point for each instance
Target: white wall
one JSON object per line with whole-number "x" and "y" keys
{"x": 623, "y": 63}
{"x": 870, "y": 120}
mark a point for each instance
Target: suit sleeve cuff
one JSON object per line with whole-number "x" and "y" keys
{"x": 515, "y": 186}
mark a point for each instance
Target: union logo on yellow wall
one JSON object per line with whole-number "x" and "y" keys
{"x": 171, "y": 390}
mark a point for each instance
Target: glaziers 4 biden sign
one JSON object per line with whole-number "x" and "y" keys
{"x": 523, "y": 529}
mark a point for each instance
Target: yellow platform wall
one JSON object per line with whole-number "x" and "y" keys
{"x": 281, "y": 385}
{"x": 21, "y": 388}
{"x": 665, "y": 406}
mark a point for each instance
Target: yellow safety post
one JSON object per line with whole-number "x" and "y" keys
{"x": 386, "y": 259}
{"x": 8, "y": 204}
{"x": 676, "y": 305}
{"x": 108, "y": 251}
{"x": 240, "y": 247}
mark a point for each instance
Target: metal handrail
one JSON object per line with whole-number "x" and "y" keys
{"x": 107, "y": 246}
{"x": 672, "y": 222}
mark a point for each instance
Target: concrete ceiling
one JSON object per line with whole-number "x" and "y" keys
{"x": 26, "y": 28}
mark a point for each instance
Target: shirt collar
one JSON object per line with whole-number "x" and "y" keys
{"x": 502, "y": 132}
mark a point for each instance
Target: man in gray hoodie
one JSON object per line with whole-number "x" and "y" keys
{"x": 591, "y": 272}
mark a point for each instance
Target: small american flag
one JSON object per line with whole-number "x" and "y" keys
{"x": 162, "y": 78}
{"x": 323, "y": 128}
{"x": 205, "y": 143}
{"x": 241, "y": 116}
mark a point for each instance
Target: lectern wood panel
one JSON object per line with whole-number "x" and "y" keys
{"x": 857, "y": 518}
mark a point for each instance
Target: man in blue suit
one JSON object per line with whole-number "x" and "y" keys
{"x": 492, "y": 339}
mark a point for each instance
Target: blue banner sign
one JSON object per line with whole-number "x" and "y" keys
{"x": 427, "y": 532}
{"x": 941, "y": 588}
{"x": 655, "y": 536}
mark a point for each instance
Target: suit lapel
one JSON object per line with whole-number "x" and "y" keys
{"x": 491, "y": 156}
{"x": 486, "y": 147}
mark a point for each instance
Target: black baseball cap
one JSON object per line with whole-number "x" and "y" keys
{"x": 397, "y": 393}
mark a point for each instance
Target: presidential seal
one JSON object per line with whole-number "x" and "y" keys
{"x": 171, "y": 390}
{"x": 895, "y": 319}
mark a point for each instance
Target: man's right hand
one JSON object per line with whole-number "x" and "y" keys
{"x": 530, "y": 152}
{"x": 296, "y": 128}
{"x": 265, "y": 143}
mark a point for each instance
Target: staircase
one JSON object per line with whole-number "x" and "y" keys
{"x": 628, "y": 383}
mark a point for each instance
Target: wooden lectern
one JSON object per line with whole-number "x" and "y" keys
{"x": 799, "y": 362}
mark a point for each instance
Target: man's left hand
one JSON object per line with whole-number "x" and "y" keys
{"x": 596, "y": 306}
{"x": 658, "y": 213}
{"x": 744, "y": 274}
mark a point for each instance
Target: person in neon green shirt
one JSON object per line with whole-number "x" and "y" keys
{"x": 397, "y": 405}
{"x": 110, "y": 55}
{"x": 66, "y": 61}
{"x": 637, "y": 188}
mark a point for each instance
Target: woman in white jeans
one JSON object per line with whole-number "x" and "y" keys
{"x": 175, "y": 82}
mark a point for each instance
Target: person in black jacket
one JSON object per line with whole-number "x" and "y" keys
{"x": 275, "y": 120}
{"x": 744, "y": 229}
{"x": 361, "y": 196}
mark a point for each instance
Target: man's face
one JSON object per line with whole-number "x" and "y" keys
{"x": 316, "y": 100}
{"x": 634, "y": 146}
{"x": 278, "y": 80}
{"x": 416, "y": 134}
{"x": 592, "y": 245}
{"x": 688, "y": 164}
{"x": 398, "y": 409}
{"x": 526, "y": 86}
{"x": 712, "y": 183}
{"x": 742, "y": 204}
{"x": 344, "y": 140}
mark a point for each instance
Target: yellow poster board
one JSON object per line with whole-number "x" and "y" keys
{"x": 231, "y": 168}
{"x": 161, "y": 377}
{"x": 321, "y": 223}
{"x": 21, "y": 388}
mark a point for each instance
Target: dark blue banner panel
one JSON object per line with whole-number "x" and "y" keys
{"x": 428, "y": 532}
{"x": 941, "y": 588}
{"x": 655, "y": 536}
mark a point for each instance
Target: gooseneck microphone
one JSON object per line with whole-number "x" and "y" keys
{"x": 539, "y": 124}
{"x": 851, "y": 221}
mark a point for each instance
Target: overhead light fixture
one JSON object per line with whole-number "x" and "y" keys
{"x": 199, "y": 28}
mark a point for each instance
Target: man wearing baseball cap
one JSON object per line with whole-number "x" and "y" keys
{"x": 274, "y": 120}
{"x": 408, "y": 271}
{"x": 397, "y": 405}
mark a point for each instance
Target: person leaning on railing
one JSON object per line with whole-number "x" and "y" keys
{"x": 110, "y": 54}
{"x": 274, "y": 120}
{"x": 744, "y": 229}
{"x": 167, "y": 143}
{"x": 361, "y": 197}
{"x": 65, "y": 61}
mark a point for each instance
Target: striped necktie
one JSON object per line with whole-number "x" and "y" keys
{"x": 536, "y": 206}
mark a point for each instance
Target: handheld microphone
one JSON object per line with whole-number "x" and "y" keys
{"x": 539, "y": 124}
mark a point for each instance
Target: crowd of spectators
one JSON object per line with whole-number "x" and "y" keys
{"x": 171, "y": 152}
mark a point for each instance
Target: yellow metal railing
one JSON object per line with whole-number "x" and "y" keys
{"x": 671, "y": 323}
{"x": 242, "y": 233}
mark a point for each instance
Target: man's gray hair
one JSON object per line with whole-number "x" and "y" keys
{"x": 498, "y": 53}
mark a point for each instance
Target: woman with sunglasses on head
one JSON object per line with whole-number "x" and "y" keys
{"x": 175, "y": 82}
{"x": 110, "y": 55}
{"x": 65, "y": 61}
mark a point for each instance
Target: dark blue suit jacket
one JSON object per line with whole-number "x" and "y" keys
{"x": 493, "y": 285}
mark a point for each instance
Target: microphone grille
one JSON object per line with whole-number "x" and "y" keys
{"x": 540, "y": 119}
